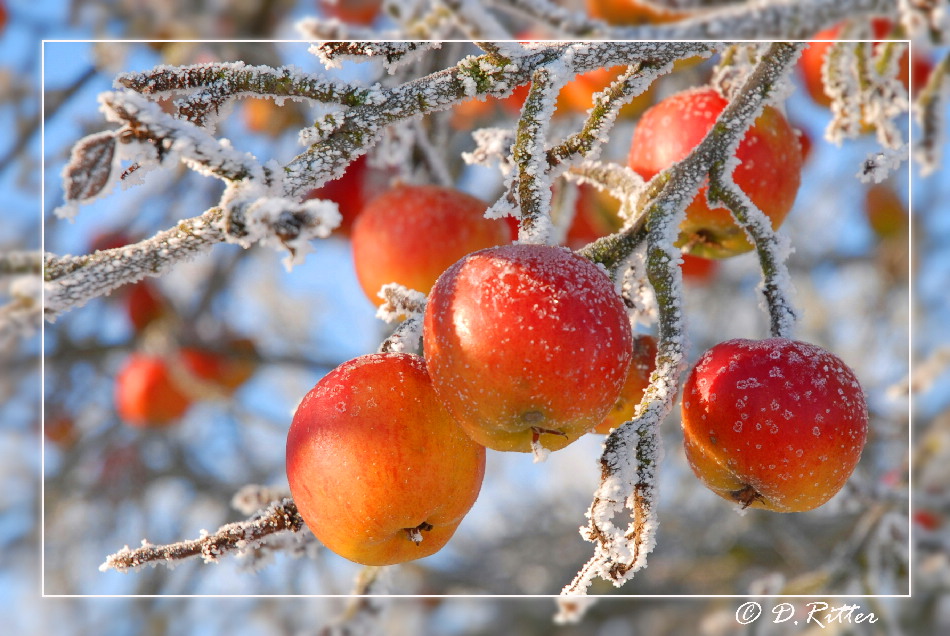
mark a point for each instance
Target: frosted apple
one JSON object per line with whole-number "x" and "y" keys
{"x": 770, "y": 169}
{"x": 379, "y": 470}
{"x": 775, "y": 424}
{"x": 526, "y": 343}
{"x": 411, "y": 234}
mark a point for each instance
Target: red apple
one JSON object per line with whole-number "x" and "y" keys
{"x": 144, "y": 304}
{"x": 411, "y": 234}
{"x": 354, "y": 11}
{"x": 698, "y": 270}
{"x": 927, "y": 519}
{"x": 526, "y": 344}
{"x": 227, "y": 371}
{"x": 769, "y": 174}
{"x": 146, "y": 395}
{"x": 775, "y": 424}
{"x": 379, "y": 470}
{"x": 642, "y": 365}
{"x": 805, "y": 143}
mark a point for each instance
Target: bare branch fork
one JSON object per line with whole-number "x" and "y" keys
{"x": 631, "y": 452}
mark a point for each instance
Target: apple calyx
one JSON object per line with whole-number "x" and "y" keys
{"x": 415, "y": 534}
{"x": 747, "y": 496}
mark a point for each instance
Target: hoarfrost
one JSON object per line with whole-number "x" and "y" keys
{"x": 879, "y": 165}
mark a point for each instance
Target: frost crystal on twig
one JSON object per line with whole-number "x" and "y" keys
{"x": 393, "y": 54}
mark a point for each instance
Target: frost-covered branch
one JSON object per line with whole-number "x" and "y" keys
{"x": 343, "y": 137}
{"x": 534, "y": 181}
{"x": 929, "y": 112}
{"x": 241, "y": 537}
{"x": 393, "y": 54}
{"x": 145, "y": 122}
{"x": 631, "y": 452}
{"x": 407, "y": 307}
{"x": 772, "y": 249}
{"x": 208, "y": 86}
{"x": 17, "y": 263}
{"x": 70, "y": 281}
{"x": 764, "y": 20}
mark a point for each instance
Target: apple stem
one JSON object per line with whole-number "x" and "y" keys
{"x": 415, "y": 534}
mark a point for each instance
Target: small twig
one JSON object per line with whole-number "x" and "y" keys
{"x": 534, "y": 182}
{"x": 772, "y": 250}
{"x": 929, "y": 113}
{"x": 240, "y": 537}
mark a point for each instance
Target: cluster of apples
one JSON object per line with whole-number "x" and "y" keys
{"x": 386, "y": 453}
{"x": 528, "y": 347}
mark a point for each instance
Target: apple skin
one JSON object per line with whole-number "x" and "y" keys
{"x": 699, "y": 271}
{"x": 775, "y": 424}
{"x": 526, "y": 340}
{"x": 769, "y": 174}
{"x": 411, "y": 234}
{"x": 361, "y": 12}
{"x": 885, "y": 212}
{"x": 146, "y": 395}
{"x": 372, "y": 452}
{"x": 228, "y": 371}
{"x": 144, "y": 305}
{"x": 632, "y": 12}
{"x": 642, "y": 365}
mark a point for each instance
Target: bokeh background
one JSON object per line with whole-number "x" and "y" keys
{"x": 106, "y": 484}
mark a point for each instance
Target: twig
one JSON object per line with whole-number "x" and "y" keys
{"x": 240, "y": 537}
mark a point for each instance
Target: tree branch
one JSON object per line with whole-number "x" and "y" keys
{"x": 242, "y": 537}
{"x": 631, "y": 452}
